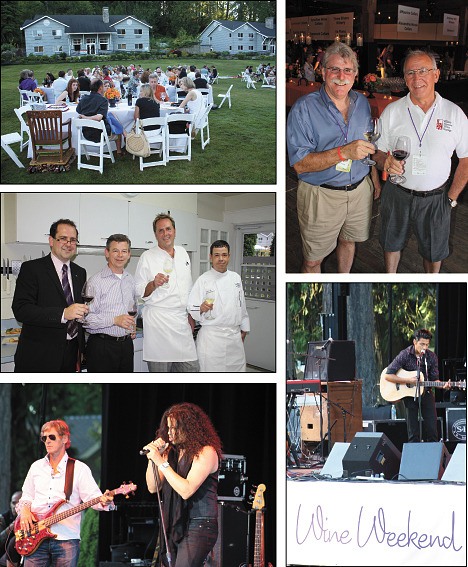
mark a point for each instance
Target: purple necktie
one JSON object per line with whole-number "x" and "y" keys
{"x": 72, "y": 326}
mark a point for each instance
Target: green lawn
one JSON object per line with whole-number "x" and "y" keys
{"x": 242, "y": 149}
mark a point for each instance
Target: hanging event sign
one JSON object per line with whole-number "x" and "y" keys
{"x": 325, "y": 27}
{"x": 408, "y": 19}
{"x": 451, "y": 25}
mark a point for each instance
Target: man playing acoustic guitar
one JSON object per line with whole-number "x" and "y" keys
{"x": 44, "y": 487}
{"x": 409, "y": 359}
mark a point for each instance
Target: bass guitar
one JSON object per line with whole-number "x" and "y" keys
{"x": 392, "y": 392}
{"x": 28, "y": 541}
{"x": 259, "y": 542}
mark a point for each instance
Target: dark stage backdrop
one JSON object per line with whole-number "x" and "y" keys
{"x": 243, "y": 414}
{"x": 451, "y": 320}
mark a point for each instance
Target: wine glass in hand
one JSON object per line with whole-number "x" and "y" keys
{"x": 163, "y": 96}
{"x": 401, "y": 151}
{"x": 167, "y": 269}
{"x": 372, "y": 134}
{"x": 87, "y": 293}
{"x": 132, "y": 310}
{"x": 210, "y": 299}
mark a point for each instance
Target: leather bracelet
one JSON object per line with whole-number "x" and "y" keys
{"x": 339, "y": 154}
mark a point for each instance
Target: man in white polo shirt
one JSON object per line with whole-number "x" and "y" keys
{"x": 436, "y": 128}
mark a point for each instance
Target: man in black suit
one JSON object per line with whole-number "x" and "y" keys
{"x": 51, "y": 339}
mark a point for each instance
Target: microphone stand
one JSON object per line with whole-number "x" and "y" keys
{"x": 161, "y": 515}
{"x": 417, "y": 395}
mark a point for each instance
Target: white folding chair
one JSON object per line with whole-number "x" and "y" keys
{"x": 84, "y": 144}
{"x": 214, "y": 80}
{"x": 226, "y": 95}
{"x": 84, "y": 93}
{"x": 155, "y": 137}
{"x": 7, "y": 140}
{"x": 31, "y": 97}
{"x": 180, "y": 143}
{"x": 205, "y": 93}
{"x": 203, "y": 124}
{"x": 181, "y": 94}
{"x": 244, "y": 76}
{"x": 250, "y": 82}
{"x": 24, "y": 126}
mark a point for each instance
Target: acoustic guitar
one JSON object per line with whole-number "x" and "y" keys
{"x": 28, "y": 541}
{"x": 392, "y": 392}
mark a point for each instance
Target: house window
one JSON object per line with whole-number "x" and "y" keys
{"x": 76, "y": 45}
{"x": 138, "y": 32}
{"x": 38, "y": 49}
{"x": 121, "y": 31}
{"x": 104, "y": 44}
{"x": 258, "y": 266}
{"x": 240, "y": 48}
{"x": 251, "y": 35}
{"x": 58, "y": 48}
{"x": 37, "y": 34}
{"x": 230, "y": 35}
{"x": 57, "y": 33}
{"x": 240, "y": 35}
{"x": 121, "y": 46}
{"x": 264, "y": 47}
{"x": 251, "y": 47}
{"x": 138, "y": 46}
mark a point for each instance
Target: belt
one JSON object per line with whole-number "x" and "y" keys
{"x": 436, "y": 191}
{"x": 109, "y": 338}
{"x": 349, "y": 187}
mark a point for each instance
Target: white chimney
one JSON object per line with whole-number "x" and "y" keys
{"x": 270, "y": 22}
{"x": 105, "y": 15}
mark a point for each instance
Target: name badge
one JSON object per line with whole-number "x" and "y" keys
{"x": 344, "y": 165}
{"x": 419, "y": 165}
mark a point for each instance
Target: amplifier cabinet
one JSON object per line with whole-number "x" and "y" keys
{"x": 455, "y": 421}
{"x": 232, "y": 477}
{"x": 395, "y": 429}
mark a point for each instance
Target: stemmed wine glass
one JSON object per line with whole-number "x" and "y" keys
{"x": 167, "y": 269}
{"x": 163, "y": 96}
{"x": 132, "y": 310}
{"x": 372, "y": 133}
{"x": 87, "y": 293}
{"x": 210, "y": 299}
{"x": 401, "y": 151}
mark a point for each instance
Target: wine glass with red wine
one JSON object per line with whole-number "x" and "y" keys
{"x": 87, "y": 294}
{"x": 132, "y": 310}
{"x": 401, "y": 151}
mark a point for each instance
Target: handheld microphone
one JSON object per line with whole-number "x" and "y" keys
{"x": 161, "y": 450}
{"x": 423, "y": 352}
{"x": 327, "y": 342}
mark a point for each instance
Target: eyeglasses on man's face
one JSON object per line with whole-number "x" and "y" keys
{"x": 418, "y": 72}
{"x": 52, "y": 437}
{"x": 336, "y": 70}
{"x": 65, "y": 240}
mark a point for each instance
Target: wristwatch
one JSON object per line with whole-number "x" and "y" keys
{"x": 453, "y": 202}
{"x": 164, "y": 465}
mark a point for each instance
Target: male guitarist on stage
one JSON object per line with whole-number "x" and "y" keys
{"x": 45, "y": 486}
{"x": 418, "y": 354}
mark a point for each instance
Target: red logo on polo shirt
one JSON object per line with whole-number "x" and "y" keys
{"x": 439, "y": 124}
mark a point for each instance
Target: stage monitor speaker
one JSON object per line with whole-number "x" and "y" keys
{"x": 423, "y": 461}
{"x": 230, "y": 549}
{"x": 456, "y": 469}
{"x": 371, "y": 453}
{"x": 337, "y": 361}
{"x": 333, "y": 467}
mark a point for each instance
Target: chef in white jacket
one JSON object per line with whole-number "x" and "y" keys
{"x": 163, "y": 280}
{"x": 217, "y": 301}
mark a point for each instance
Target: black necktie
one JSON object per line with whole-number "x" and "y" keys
{"x": 72, "y": 326}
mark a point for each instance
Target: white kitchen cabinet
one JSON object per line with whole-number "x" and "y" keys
{"x": 260, "y": 342}
{"x": 101, "y": 216}
{"x": 140, "y": 221}
{"x": 28, "y": 216}
{"x": 186, "y": 229}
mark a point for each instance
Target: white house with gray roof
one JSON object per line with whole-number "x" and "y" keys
{"x": 85, "y": 35}
{"x": 239, "y": 37}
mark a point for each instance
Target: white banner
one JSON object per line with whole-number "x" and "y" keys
{"x": 325, "y": 27}
{"x": 408, "y": 19}
{"x": 369, "y": 522}
{"x": 451, "y": 24}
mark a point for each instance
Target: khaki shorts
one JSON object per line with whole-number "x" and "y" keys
{"x": 326, "y": 214}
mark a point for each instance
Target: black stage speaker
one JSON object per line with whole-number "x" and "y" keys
{"x": 371, "y": 453}
{"x": 396, "y": 429}
{"x": 456, "y": 469}
{"x": 337, "y": 361}
{"x": 231, "y": 548}
{"x": 423, "y": 461}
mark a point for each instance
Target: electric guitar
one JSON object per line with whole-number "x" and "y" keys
{"x": 392, "y": 392}
{"x": 28, "y": 541}
{"x": 259, "y": 542}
